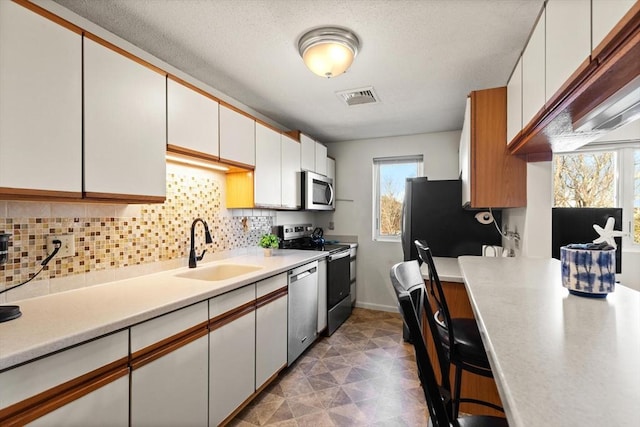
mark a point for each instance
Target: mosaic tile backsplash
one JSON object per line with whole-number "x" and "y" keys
{"x": 139, "y": 234}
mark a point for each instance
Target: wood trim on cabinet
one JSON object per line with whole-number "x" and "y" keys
{"x": 48, "y": 401}
{"x": 237, "y": 110}
{"x": 124, "y": 198}
{"x": 124, "y": 53}
{"x": 620, "y": 32}
{"x": 237, "y": 164}
{"x": 614, "y": 64}
{"x": 46, "y": 195}
{"x": 295, "y": 134}
{"x": 50, "y": 16}
{"x": 192, "y": 87}
{"x": 253, "y": 396}
{"x": 231, "y": 315}
{"x": 167, "y": 345}
{"x": 176, "y": 149}
{"x": 272, "y": 296}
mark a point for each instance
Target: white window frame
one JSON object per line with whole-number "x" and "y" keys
{"x": 624, "y": 185}
{"x": 377, "y": 162}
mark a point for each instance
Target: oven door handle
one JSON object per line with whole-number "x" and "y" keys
{"x": 339, "y": 255}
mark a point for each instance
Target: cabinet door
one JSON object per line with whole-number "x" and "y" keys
{"x": 495, "y": 178}
{"x": 87, "y": 397}
{"x": 271, "y": 328}
{"x": 533, "y": 69}
{"x": 290, "y": 176}
{"x": 321, "y": 159}
{"x": 192, "y": 120}
{"x": 605, "y": 15}
{"x": 322, "y": 295}
{"x": 568, "y": 40}
{"x": 232, "y": 351}
{"x": 307, "y": 153}
{"x": 124, "y": 126}
{"x": 171, "y": 389}
{"x": 267, "y": 184}
{"x": 40, "y": 103}
{"x": 237, "y": 137}
{"x": 514, "y": 102}
{"x": 106, "y": 406}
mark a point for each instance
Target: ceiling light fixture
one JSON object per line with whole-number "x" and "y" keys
{"x": 328, "y": 51}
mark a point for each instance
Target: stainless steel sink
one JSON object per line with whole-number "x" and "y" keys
{"x": 219, "y": 272}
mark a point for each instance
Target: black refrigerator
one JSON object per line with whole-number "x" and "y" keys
{"x": 432, "y": 211}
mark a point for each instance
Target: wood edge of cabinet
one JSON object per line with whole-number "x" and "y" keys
{"x": 121, "y": 198}
{"x": 176, "y": 149}
{"x": 49, "y": 400}
{"x": 229, "y": 316}
{"x": 246, "y": 167}
{"x": 193, "y": 87}
{"x": 161, "y": 348}
{"x": 272, "y": 296}
{"x": 49, "y": 15}
{"x": 43, "y": 195}
{"x": 618, "y": 34}
{"x": 249, "y": 399}
{"x": 123, "y": 52}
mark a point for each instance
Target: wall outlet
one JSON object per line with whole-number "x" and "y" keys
{"x": 68, "y": 247}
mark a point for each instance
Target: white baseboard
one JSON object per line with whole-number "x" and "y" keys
{"x": 379, "y": 307}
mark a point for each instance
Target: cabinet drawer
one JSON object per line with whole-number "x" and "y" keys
{"x": 163, "y": 327}
{"x": 231, "y": 300}
{"x": 271, "y": 284}
{"x": 36, "y": 377}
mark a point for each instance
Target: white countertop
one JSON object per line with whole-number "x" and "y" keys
{"x": 57, "y": 321}
{"x": 448, "y": 269}
{"x": 558, "y": 359}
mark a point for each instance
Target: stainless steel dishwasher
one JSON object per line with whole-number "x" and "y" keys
{"x": 303, "y": 309}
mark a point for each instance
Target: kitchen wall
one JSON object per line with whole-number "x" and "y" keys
{"x": 119, "y": 241}
{"x": 354, "y": 197}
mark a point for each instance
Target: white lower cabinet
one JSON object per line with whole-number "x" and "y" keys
{"x": 232, "y": 352}
{"x": 271, "y": 328}
{"x": 169, "y": 365}
{"x": 85, "y": 385}
{"x": 107, "y": 406}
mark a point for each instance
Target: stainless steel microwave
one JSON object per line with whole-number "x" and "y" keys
{"x": 317, "y": 192}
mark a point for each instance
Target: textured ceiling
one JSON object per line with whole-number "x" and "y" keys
{"x": 422, "y": 56}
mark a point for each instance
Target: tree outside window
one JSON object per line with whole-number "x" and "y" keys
{"x": 390, "y": 175}
{"x": 585, "y": 180}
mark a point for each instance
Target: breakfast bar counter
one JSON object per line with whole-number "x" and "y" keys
{"x": 558, "y": 359}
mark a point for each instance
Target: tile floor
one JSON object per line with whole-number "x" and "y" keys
{"x": 363, "y": 375}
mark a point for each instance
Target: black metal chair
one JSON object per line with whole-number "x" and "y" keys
{"x": 459, "y": 337}
{"x": 410, "y": 291}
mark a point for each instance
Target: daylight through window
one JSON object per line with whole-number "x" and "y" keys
{"x": 389, "y": 175}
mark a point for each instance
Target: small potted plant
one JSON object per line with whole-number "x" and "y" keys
{"x": 269, "y": 242}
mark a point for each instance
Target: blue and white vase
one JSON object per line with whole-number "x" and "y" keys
{"x": 590, "y": 273}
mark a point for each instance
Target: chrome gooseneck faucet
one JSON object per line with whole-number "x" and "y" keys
{"x": 192, "y": 253}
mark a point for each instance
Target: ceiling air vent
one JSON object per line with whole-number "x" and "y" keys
{"x": 365, "y": 95}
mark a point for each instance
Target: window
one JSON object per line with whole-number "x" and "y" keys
{"x": 599, "y": 178}
{"x": 585, "y": 180}
{"x": 389, "y": 175}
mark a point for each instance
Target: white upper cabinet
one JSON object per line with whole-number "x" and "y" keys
{"x": 568, "y": 41}
{"x": 514, "y": 102}
{"x": 331, "y": 170}
{"x": 321, "y": 159}
{"x": 267, "y": 184}
{"x": 290, "y": 176}
{"x": 40, "y": 103}
{"x": 533, "y": 71}
{"x": 124, "y": 126}
{"x": 192, "y": 120}
{"x": 606, "y": 14}
{"x": 307, "y": 153}
{"x": 237, "y": 137}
